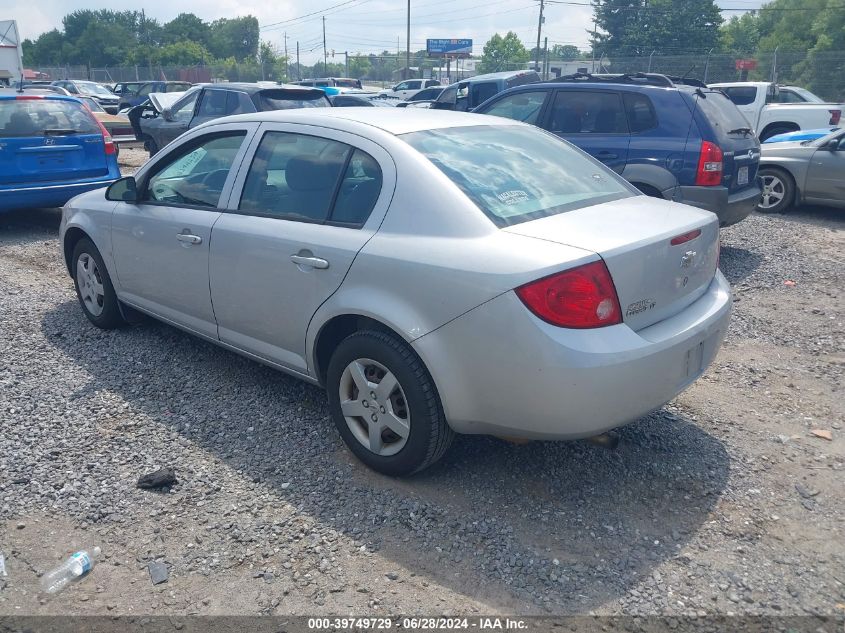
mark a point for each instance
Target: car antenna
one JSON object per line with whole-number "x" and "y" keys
{"x": 686, "y": 74}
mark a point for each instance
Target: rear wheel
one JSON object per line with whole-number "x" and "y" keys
{"x": 774, "y": 131}
{"x": 778, "y": 190}
{"x": 384, "y": 404}
{"x": 93, "y": 286}
{"x": 648, "y": 190}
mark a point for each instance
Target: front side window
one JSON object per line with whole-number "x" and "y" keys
{"x": 147, "y": 89}
{"x": 196, "y": 174}
{"x": 213, "y": 104}
{"x": 405, "y": 85}
{"x": 184, "y": 111}
{"x": 584, "y": 112}
{"x": 516, "y": 173}
{"x": 522, "y": 106}
{"x": 311, "y": 179}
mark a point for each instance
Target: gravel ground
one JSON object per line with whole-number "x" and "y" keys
{"x": 722, "y": 502}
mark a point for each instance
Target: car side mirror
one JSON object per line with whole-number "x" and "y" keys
{"x": 123, "y": 190}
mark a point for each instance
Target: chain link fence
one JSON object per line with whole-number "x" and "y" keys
{"x": 820, "y": 72}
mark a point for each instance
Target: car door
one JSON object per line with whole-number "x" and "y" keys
{"x": 179, "y": 119}
{"x": 160, "y": 244}
{"x": 594, "y": 120}
{"x": 298, "y": 215}
{"x": 826, "y": 174}
{"x": 408, "y": 88}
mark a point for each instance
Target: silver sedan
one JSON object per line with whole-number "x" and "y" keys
{"x": 437, "y": 272}
{"x": 803, "y": 172}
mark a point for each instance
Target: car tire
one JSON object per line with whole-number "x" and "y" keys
{"x": 398, "y": 430}
{"x": 778, "y": 190}
{"x": 648, "y": 190}
{"x": 93, "y": 285}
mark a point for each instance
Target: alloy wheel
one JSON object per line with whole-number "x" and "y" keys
{"x": 774, "y": 191}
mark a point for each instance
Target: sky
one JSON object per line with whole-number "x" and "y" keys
{"x": 356, "y": 25}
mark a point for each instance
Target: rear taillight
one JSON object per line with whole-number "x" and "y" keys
{"x": 583, "y": 297}
{"x": 685, "y": 237}
{"x": 107, "y": 139}
{"x": 835, "y": 116}
{"x": 710, "y": 165}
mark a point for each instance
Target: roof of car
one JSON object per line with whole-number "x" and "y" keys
{"x": 505, "y": 74}
{"x": 9, "y": 94}
{"x": 394, "y": 121}
{"x": 251, "y": 88}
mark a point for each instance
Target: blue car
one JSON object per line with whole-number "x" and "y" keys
{"x": 800, "y": 135}
{"x": 51, "y": 149}
{"x": 669, "y": 137}
{"x": 130, "y": 100}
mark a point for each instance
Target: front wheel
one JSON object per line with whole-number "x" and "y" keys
{"x": 384, "y": 404}
{"x": 94, "y": 287}
{"x": 778, "y": 191}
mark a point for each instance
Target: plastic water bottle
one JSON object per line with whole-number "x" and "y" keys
{"x": 76, "y": 566}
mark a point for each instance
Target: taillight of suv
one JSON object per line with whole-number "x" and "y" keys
{"x": 710, "y": 165}
{"x": 835, "y": 116}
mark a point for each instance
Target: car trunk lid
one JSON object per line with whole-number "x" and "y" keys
{"x": 654, "y": 278}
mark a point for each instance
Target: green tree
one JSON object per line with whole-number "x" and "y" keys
{"x": 638, "y": 27}
{"x": 186, "y": 27}
{"x": 740, "y": 34}
{"x": 235, "y": 37}
{"x": 46, "y": 50}
{"x": 503, "y": 53}
{"x": 565, "y": 52}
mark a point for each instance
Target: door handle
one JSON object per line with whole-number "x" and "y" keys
{"x": 314, "y": 262}
{"x": 188, "y": 238}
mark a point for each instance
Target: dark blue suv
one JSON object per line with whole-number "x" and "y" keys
{"x": 677, "y": 140}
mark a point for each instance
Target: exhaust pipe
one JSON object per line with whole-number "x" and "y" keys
{"x": 606, "y": 440}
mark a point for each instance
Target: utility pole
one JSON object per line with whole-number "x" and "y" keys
{"x": 346, "y": 55}
{"x": 545, "y": 74}
{"x": 287, "y": 59}
{"x": 539, "y": 28}
{"x": 325, "y": 52}
{"x": 408, "y": 43}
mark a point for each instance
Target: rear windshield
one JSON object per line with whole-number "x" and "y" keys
{"x": 741, "y": 95}
{"x": 518, "y": 173}
{"x": 347, "y": 83}
{"x": 722, "y": 114}
{"x": 37, "y": 117}
{"x": 91, "y": 88}
{"x": 290, "y": 99}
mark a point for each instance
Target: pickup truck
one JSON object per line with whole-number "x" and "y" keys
{"x": 760, "y": 103}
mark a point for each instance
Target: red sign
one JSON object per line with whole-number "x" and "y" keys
{"x": 746, "y": 64}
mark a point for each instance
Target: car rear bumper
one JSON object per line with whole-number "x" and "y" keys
{"x": 502, "y": 371}
{"x": 730, "y": 207}
{"x": 14, "y": 197}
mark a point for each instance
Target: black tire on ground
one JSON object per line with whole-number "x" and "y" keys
{"x": 110, "y": 316}
{"x": 429, "y": 436}
{"x": 776, "y": 183}
{"x": 774, "y": 131}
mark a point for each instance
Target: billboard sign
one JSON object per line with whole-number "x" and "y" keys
{"x": 746, "y": 64}
{"x": 448, "y": 48}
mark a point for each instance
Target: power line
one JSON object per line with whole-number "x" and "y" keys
{"x": 314, "y": 13}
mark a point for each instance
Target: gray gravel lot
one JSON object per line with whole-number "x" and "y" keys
{"x": 722, "y": 502}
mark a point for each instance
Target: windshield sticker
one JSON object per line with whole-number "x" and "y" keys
{"x": 513, "y": 197}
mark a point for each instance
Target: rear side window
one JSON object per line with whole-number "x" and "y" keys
{"x": 516, "y": 173}
{"x": 483, "y": 91}
{"x": 640, "y": 111}
{"x": 584, "y": 112}
{"x": 213, "y": 103}
{"x": 741, "y": 95}
{"x": 722, "y": 114}
{"x": 290, "y": 99}
{"x": 41, "y": 117}
{"x": 307, "y": 178}
{"x": 522, "y": 106}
